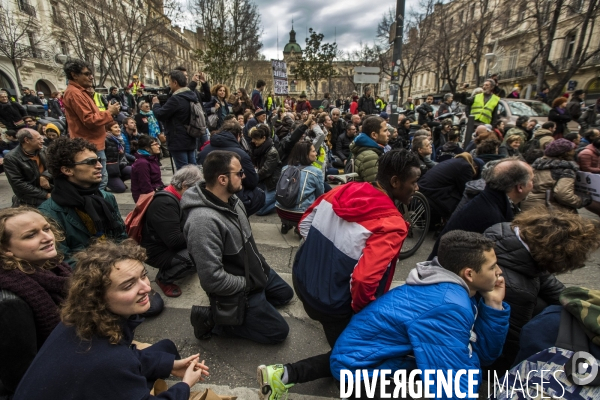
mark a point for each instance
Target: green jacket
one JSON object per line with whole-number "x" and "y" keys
{"x": 366, "y": 153}
{"x": 77, "y": 237}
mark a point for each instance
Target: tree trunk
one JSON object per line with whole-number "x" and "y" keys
{"x": 17, "y": 75}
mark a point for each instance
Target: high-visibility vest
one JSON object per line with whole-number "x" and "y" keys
{"x": 134, "y": 87}
{"x": 483, "y": 112}
{"x": 99, "y": 102}
{"x": 320, "y": 161}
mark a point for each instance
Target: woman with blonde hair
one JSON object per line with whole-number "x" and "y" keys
{"x": 33, "y": 284}
{"x": 91, "y": 354}
{"x": 217, "y": 108}
{"x": 531, "y": 249}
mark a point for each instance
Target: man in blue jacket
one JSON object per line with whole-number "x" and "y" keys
{"x": 434, "y": 321}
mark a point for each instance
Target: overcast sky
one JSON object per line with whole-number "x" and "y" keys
{"x": 353, "y": 20}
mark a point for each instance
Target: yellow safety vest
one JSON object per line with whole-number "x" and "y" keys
{"x": 320, "y": 159}
{"x": 99, "y": 102}
{"x": 483, "y": 112}
{"x": 410, "y": 106}
{"x": 134, "y": 88}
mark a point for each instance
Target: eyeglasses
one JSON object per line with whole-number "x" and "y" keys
{"x": 239, "y": 173}
{"x": 92, "y": 162}
{"x": 155, "y": 144}
{"x": 89, "y": 73}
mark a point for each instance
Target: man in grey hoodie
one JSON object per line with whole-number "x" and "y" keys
{"x": 219, "y": 240}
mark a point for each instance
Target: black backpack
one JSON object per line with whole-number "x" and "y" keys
{"x": 533, "y": 144}
{"x": 288, "y": 186}
{"x": 197, "y": 126}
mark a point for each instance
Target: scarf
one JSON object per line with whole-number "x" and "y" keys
{"x": 43, "y": 291}
{"x": 560, "y": 110}
{"x": 260, "y": 151}
{"x": 117, "y": 141}
{"x": 153, "y": 127}
{"x": 173, "y": 191}
{"x": 144, "y": 152}
{"x": 89, "y": 200}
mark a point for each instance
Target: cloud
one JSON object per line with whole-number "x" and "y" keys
{"x": 348, "y": 22}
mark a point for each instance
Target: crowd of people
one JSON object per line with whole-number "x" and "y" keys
{"x": 73, "y": 272}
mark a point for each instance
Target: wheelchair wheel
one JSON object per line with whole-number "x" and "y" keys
{"x": 417, "y": 216}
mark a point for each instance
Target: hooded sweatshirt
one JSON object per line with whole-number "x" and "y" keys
{"x": 215, "y": 243}
{"x": 353, "y": 235}
{"x": 429, "y": 323}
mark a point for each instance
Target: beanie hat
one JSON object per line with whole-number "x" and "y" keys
{"x": 53, "y": 127}
{"x": 578, "y": 92}
{"x": 384, "y": 115}
{"x": 558, "y": 147}
{"x": 259, "y": 112}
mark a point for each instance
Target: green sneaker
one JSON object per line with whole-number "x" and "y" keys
{"x": 269, "y": 379}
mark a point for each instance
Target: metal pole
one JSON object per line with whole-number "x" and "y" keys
{"x": 397, "y": 53}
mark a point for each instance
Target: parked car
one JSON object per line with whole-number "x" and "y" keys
{"x": 511, "y": 109}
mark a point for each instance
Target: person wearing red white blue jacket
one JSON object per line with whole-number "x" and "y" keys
{"x": 353, "y": 236}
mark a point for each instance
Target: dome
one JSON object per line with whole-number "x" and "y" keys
{"x": 292, "y": 46}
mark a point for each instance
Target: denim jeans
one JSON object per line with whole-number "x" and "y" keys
{"x": 263, "y": 323}
{"x": 183, "y": 158}
{"x": 102, "y": 157}
{"x": 269, "y": 203}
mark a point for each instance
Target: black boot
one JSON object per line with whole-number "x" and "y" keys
{"x": 285, "y": 228}
{"x": 202, "y": 321}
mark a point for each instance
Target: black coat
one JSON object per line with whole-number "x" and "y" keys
{"x": 337, "y": 130}
{"x": 31, "y": 98}
{"x": 488, "y": 208}
{"x": 174, "y": 114}
{"x": 342, "y": 149}
{"x": 367, "y": 104}
{"x": 24, "y": 177}
{"x": 525, "y": 283}
{"x": 54, "y": 109}
{"x": 287, "y": 143}
{"x": 444, "y": 184}
{"x": 10, "y": 113}
{"x": 423, "y": 110}
{"x": 560, "y": 120}
{"x": 115, "y": 161}
{"x": 268, "y": 165}
{"x": 162, "y": 234}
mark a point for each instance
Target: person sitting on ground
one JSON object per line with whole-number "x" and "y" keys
{"x": 162, "y": 234}
{"x": 508, "y": 182}
{"x": 33, "y": 283}
{"x": 11, "y": 142}
{"x": 287, "y": 144}
{"x": 435, "y": 321}
{"x": 554, "y": 180}
{"x": 498, "y": 129}
{"x": 11, "y": 113}
{"x": 51, "y": 133}
{"x": 220, "y": 241}
{"x": 145, "y": 171}
{"x": 450, "y": 149}
{"x": 511, "y": 147}
{"x": 487, "y": 150}
{"x": 481, "y": 133}
{"x": 116, "y": 163}
{"x": 519, "y": 129}
{"x": 589, "y": 158}
{"x": 26, "y": 170}
{"x": 574, "y": 137}
{"x": 587, "y": 138}
{"x": 440, "y": 133}
{"x": 343, "y": 143}
{"x": 146, "y": 122}
{"x": 368, "y": 147}
{"x": 560, "y": 115}
{"x": 91, "y": 353}
{"x": 303, "y": 156}
{"x": 445, "y": 183}
{"x": 544, "y": 135}
{"x": 266, "y": 161}
{"x": 536, "y": 245}
{"x": 230, "y": 138}
{"x": 83, "y": 211}
{"x": 421, "y": 146}
{"x": 334, "y": 281}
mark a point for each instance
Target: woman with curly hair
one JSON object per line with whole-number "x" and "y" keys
{"x": 217, "y": 108}
{"x": 244, "y": 103}
{"x": 91, "y": 354}
{"x": 33, "y": 284}
{"x": 536, "y": 245}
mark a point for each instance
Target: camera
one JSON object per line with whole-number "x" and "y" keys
{"x": 161, "y": 93}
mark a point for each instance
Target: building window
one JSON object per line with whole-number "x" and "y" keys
{"x": 472, "y": 11}
{"x": 32, "y": 44}
{"x": 64, "y": 48}
{"x": 461, "y": 16}
{"x": 292, "y": 86}
{"x": 570, "y": 44}
{"x": 522, "y": 12}
{"x": 545, "y": 10}
{"x": 575, "y": 6}
{"x": 513, "y": 56}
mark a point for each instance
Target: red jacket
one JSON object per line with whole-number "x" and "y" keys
{"x": 303, "y": 105}
{"x": 589, "y": 158}
{"x": 354, "y": 108}
{"x": 83, "y": 117}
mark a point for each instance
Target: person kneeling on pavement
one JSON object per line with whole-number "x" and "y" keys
{"x": 434, "y": 321}
{"x": 229, "y": 265}
{"x": 91, "y": 354}
{"x": 266, "y": 161}
{"x": 162, "y": 234}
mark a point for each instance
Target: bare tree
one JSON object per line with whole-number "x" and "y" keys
{"x": 480, "y": 26}
{"x": 17, "y": 29}
{"x": 232, "y": 31}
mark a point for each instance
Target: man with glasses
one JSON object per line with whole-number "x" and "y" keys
{"x": 30, "y": 122}
{"x": 83, "y": 211}
{"x": 219, "y": 239}
{"x": 83, "y": 117}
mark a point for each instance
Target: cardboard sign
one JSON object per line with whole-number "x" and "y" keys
{"x": 280, "y": 77}
{"x": 588, "y": 183}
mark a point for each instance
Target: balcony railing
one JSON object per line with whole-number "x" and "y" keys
{"x": 27, "y": 8}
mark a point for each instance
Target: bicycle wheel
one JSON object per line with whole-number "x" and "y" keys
{"x": 417, "y": 216}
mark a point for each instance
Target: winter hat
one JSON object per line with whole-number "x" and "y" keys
{"x": 384, "y": 115}
{"x": 558, "y": 147}
{"x": 302, "y": 95}
{"x": 53, "y": 127}
{"x": 259, "y": 112}
{"x": 578, "y": 92}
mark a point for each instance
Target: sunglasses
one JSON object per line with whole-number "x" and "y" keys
{"x": 239, "y": 173}
{"x": 92, "y": 162}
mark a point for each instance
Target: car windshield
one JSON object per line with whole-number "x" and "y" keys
{"x": 530, "y": 109}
